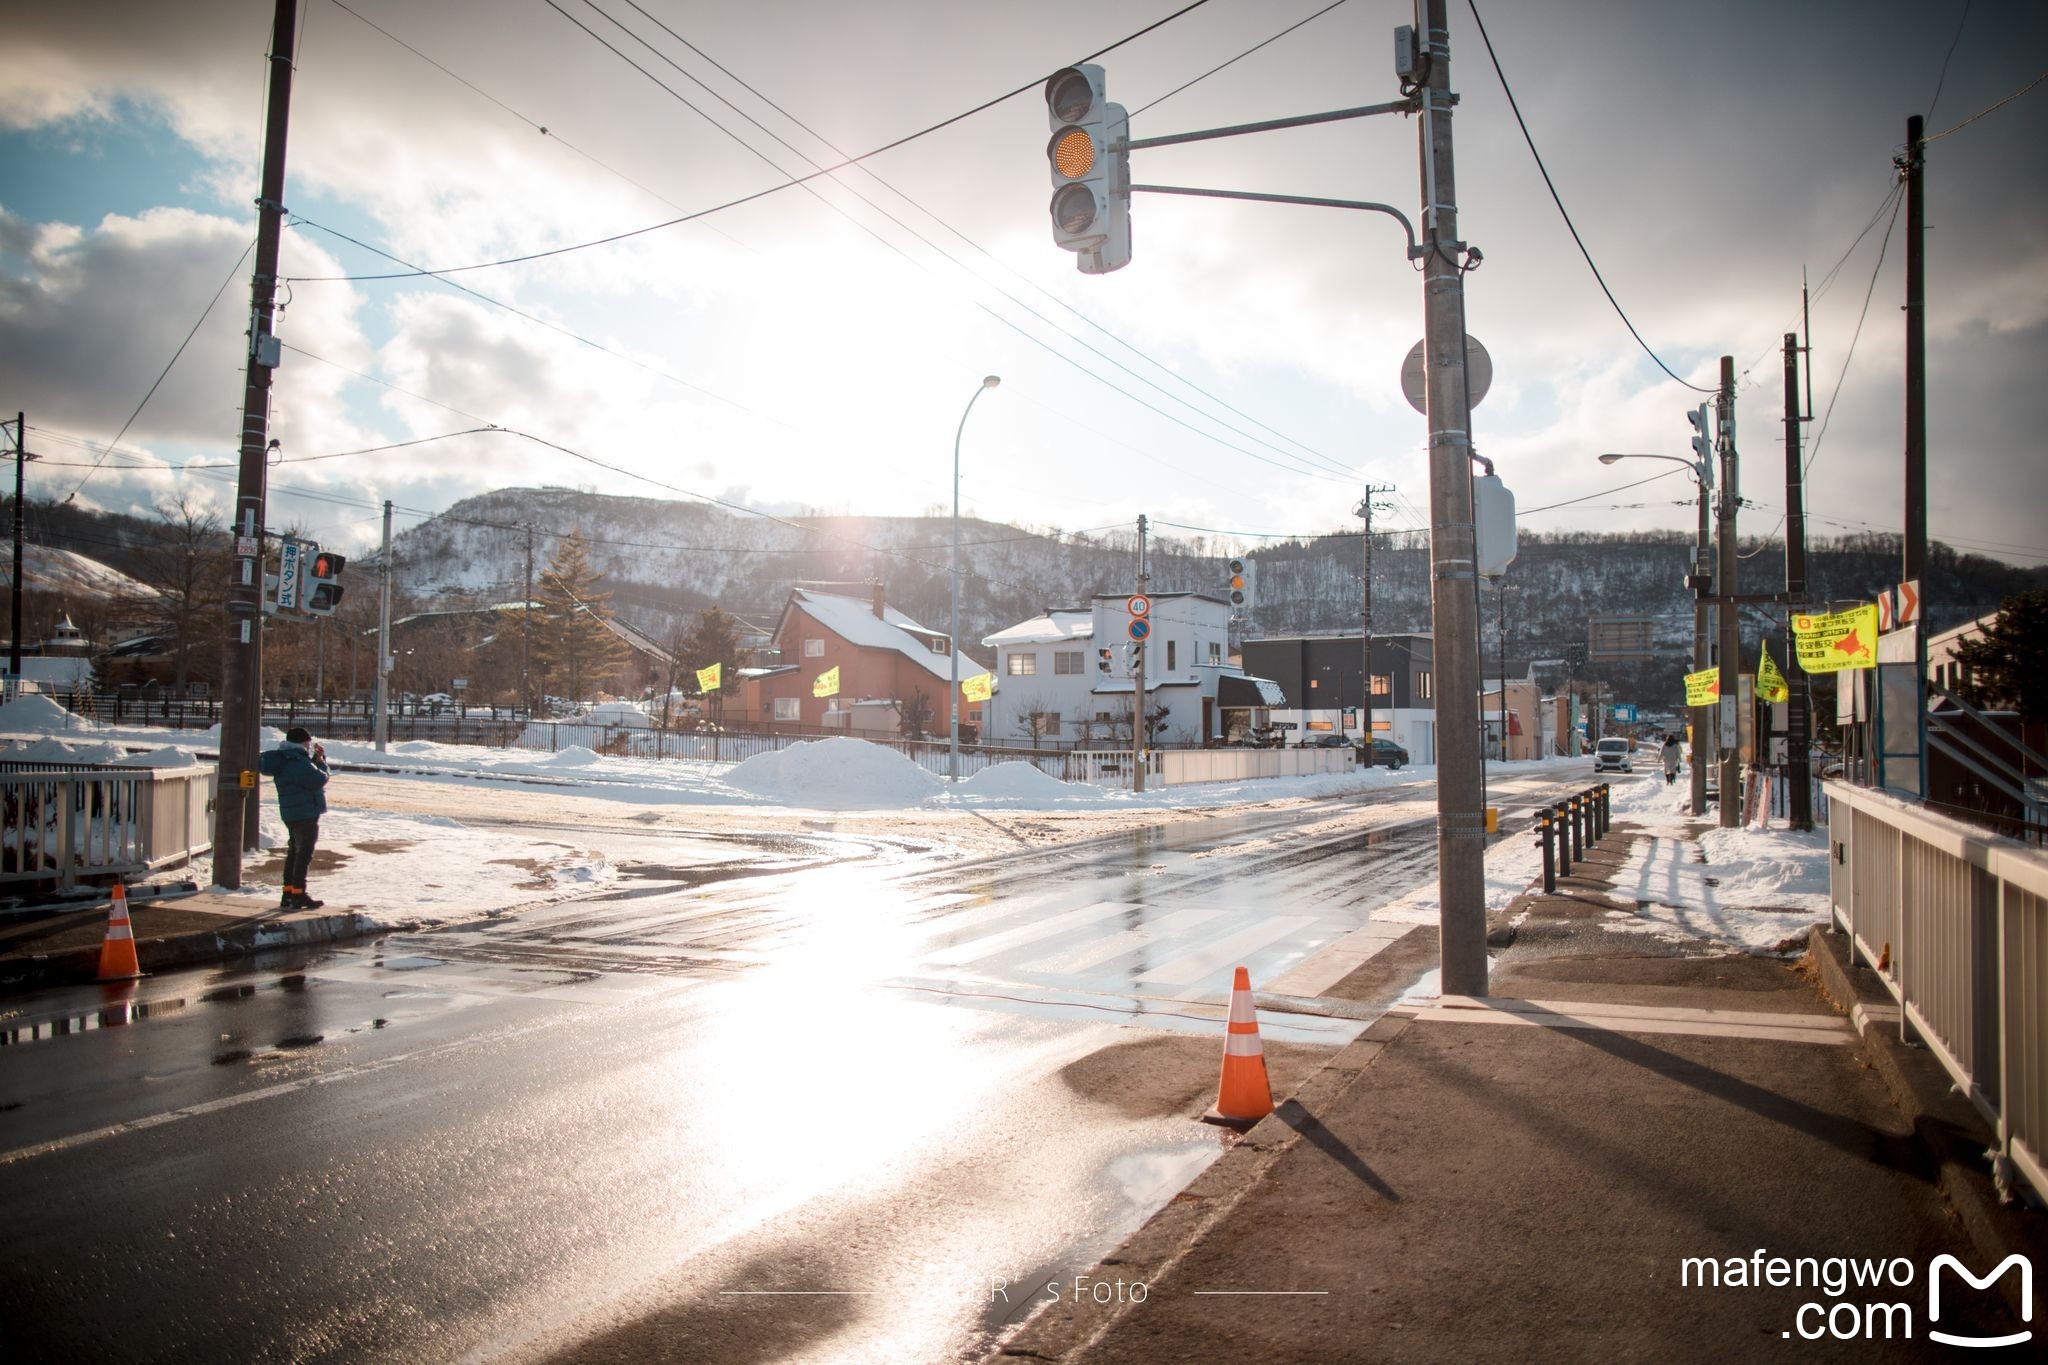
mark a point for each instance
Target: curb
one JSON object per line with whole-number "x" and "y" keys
{"x": 80, "y": 966}
{"x": 1946, "y": 1125}
{"x": 1064, "y": 1328}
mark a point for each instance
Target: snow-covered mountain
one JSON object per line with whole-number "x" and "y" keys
{"x": 71, "y": 576}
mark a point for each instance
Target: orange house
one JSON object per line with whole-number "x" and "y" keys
{"x": 882, "y": 656}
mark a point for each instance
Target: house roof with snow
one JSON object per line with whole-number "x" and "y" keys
{"x": 1057, "y": 626}
{"x": 853, "y": 620}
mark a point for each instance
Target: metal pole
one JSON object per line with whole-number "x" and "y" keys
{"x": 384, "y": 655}
{"x": 525, "y": 616}
{"x": 1138, "y": 673}
{"x": 1731, "y": 622}
{"x": 1916, "y": 428}
{"x": 953, "y": 579}
{"x": 1799, "y": 691}
{"x": 1702, "y": 716}
{"x": 14, "y": 607}
{"x": 242, "y": 662}
{"x": 1461, "y": 836}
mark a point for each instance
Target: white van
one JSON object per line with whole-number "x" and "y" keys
{"x": 1614, "y": 755}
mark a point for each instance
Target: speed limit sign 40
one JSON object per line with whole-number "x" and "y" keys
{"x": 1139, "y": 604}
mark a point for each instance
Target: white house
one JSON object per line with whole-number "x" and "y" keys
{"x": 1066, "y": 675}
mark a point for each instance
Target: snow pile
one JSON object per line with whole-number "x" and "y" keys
{"x": 34, "y": 714}
{"x": 1749, "y": 888}
{"x": 1019, "y": 782}
{"x": 165, "y": 757}
{"x": 836, "y": 774}
{"x": 622, "y": 713}
{"x": 571, "y": 756}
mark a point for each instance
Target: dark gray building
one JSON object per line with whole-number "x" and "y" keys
{"x": 1323, "y": 677}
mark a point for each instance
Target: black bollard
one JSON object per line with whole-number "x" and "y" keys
{"x": 1564, "y": 843}
{"x": 1578, "y": 815}
{"x": 1549, "y": 861}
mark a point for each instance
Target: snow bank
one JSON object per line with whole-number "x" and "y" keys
{"x": 571, "y": 756}
{"x": 166, "y": 757}
{"x": 35, "y": 714}
{"x": 622, "y": 713}
{"x": 1018, "y": 781}
{"x": 836, "y": 774}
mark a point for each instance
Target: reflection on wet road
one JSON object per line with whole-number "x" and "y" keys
{"x": 807, "y": 1106}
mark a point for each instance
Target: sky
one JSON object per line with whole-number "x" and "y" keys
{"x": 815, "y": 348}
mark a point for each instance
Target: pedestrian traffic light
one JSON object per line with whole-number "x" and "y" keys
{"x": 1102, "y": 660}
{"x": 1702, "y": 435}
{"x": 1090, "y": 162}
{"x": 1237, "y": 582}
{"x": 325, "y": 576}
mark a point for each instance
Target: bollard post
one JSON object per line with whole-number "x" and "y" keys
{"x": 1549, "y": 864}
{"x": 1564, "y": 843}
{"x": 1578, "y": 842}
{"x": 1606, "y": 809}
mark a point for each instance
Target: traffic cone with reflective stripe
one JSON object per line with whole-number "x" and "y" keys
{"x": 117, "y": 949}
{"x": 1243, "y": 1097}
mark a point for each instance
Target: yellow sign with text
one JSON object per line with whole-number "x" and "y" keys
{"x": 708, "y": 678}
{"x": 1770, "y": 683}
{"x": 980, "y": 687}
{"x": 1703, "y": 688}
{"x": 1833, "y": 641}
{"x": 826, "y": 684}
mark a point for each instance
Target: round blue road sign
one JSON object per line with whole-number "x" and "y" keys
{"x": 1140, "y": 627}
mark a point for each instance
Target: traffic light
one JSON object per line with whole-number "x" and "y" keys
{"x": 1091, "y": 170}
{"x": 324, "y": 573}
{"x": 1102, "y": 660}
{"x": 1237, "y": 582}
{"x": 1702, "y": 435}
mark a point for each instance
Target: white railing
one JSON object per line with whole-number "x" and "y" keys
{"x": 1955, "y": 922}
{"x": 63, "y": 825}
{"x": 1183, "y": 767}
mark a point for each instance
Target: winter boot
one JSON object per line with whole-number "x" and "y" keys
{"x": 290, "y": 899}
{"x": 306, "y": 902}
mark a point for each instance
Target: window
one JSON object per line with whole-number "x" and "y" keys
{"x": 1382, "y": 685}
{"x": 1314, "y": 683}
{"x": 1215, "y": 651}
{"x": 814, "y": 648}
{"x": 1045, "y": 723}
{"x": 1422, "y": 688}
{"x": 1067, "y": 661}
{"x": 941, "y": 645}
{"x": 1172, "y": 655}
{"x": 1023, "y": 665}
{"x": 786, "y": 708}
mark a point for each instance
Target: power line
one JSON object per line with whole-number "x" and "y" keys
{"x": 1842, "y": 378}
{"x": 415, "y": 271}
{"x": 1992, "y": 108}
{"x": 1942, "y": 79}
{"x": 1556, "y": 199}
{"x": 1234, "y": 60}
{"x": 1568, "y": 502}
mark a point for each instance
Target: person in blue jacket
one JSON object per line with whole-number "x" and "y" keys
{"x": 299, "y": 767}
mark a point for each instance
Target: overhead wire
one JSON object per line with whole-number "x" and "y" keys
{"x": 1568, "y": 502}
{"x": 1988, "y": 109}
{"x": 1559, "y": 201}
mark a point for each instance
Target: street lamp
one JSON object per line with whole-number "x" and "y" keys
{"x": 953, "y": 636}
{"x": 1703, "y": 475}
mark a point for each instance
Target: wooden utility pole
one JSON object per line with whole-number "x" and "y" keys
{"x": 526, "y": 630}
{"x": 1799, "y": 688}
{"x": 1365, "y": 509}
{"x": 235, "y": 807}
{"x": 1730, "y": 653}
{"x": 1144, "y": 579}
{"x": 1915, "y": 565}
{"x": 14, "y": 607}
{"x": 382, "y": 725}
{"x": 1460, "y": 823}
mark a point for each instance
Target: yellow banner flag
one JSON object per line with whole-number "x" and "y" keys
{"x": 1703, "y": 688}
{"x": 980, "y": 687}
{"x": 1770, "y": 683}
{"x": 1833, "y": 641}
{"x": 826, "y": 684}
{"x": 708, "y": 678}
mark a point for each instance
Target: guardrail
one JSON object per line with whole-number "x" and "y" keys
{"x": 61, "y": 826}
{"x": 1955, "y": 923}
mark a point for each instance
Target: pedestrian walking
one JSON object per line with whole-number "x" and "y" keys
{"x": 299, "y": 767}
{"x": 1672, "y": 757}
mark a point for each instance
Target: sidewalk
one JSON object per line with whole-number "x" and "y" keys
{"x": 174, "y": 927}
{"x": 1522, "y": 1177}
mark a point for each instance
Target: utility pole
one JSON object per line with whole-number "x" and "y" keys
{"x": 1365, "y": 509}
{"x": 1916, "y": 432}
{"x": 526, "y": 630}
{"x": 1702, "y": 654}
{"x": 1799, "y": 690}
{"x": 234, "y": 824}
{"x": 14, "y": 609}
{"x": 384, "y": 656}
{"x": 1460, "y": 825}
{"x": 1730, "y": 655}
{"x": 1138, "y": 674}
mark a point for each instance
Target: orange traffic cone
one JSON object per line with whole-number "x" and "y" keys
{"x": 117, "y": 950}
{"x": 1243, "y": 1097}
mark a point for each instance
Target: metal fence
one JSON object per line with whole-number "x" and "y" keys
{"x": 1955, "y": 922}
{"x": 61, "y": 826}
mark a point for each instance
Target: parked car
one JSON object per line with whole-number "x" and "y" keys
{"x": 1385, "y": 754}
{"x": 1329, "y": 741}
{"x": 1614, "y": 755}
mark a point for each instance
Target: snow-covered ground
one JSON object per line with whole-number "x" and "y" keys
{"x": 1747, "y": 887}
{"x": 435, "y": 867}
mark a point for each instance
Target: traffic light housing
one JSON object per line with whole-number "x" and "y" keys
{"x": 1237, "y": 582}
{"x": 1702, "y": 435}
{"x": 1090, "y": 163}
{"x": 323, "y": 574}
{"x": 1103, "y": 658}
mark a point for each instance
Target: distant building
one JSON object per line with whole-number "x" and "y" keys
{"x": 1323, "y": 678}
{"x": 886, "y": 661}
{"x": 1613, "y": 637}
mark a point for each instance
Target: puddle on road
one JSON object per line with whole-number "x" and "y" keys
{"x": 118, "y": 1014}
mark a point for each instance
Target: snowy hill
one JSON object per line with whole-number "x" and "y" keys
{"x": 71, "y": 576}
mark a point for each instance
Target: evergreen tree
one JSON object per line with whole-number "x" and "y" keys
{"x": 2008, "y": 663}
{"x": 573, "y": 648}
{"x": 714, "y": 640}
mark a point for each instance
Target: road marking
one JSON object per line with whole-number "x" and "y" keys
{"x": 1696, "y": 1023}
{"x": 990, "y": 944}
{"x": 1116, "y": 945}
{"x": 1192, "y": 967}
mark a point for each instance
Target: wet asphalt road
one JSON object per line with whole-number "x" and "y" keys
{"x": 808, "y": 1102}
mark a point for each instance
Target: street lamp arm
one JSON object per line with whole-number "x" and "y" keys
{"x": 1701, "y": 470}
